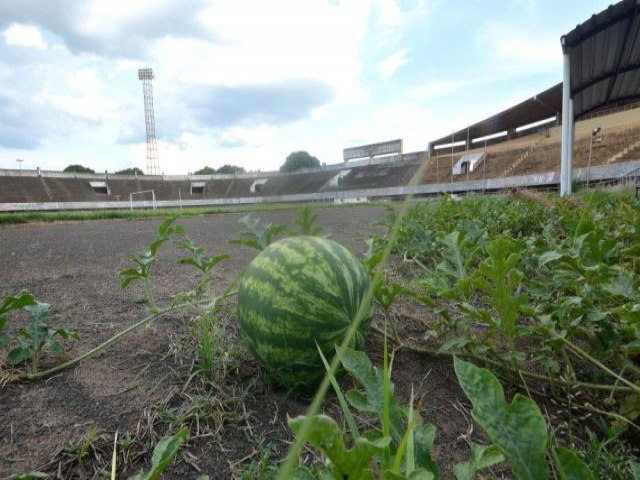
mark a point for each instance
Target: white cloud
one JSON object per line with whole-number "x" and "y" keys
{"x": 84, "y": 97}
{"x": 391, "y": 20}
{"x": 24, "y": 36}
{"x": 266, "y": 42}
{"x": 436, "y": 89}
{"x": 520, "y": 51}
{"x": 392, "y": 63}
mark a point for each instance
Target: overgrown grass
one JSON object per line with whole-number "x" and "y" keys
{"x": 29, "y": 217}
{"x": 80, "y": 216}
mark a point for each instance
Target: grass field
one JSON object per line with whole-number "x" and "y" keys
{"x": 27, "y": 217}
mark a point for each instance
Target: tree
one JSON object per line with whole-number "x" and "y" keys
{"x": 230, "y": 169}
{"x": 78, "y": 169}
{"x": 205, "y": 171}
{"x": 298, "y": 160}
{"x": 130, "y": 171}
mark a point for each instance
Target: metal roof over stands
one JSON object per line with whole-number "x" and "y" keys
{"x": 539, "y": 107}
{"x": 605, "y": 58}
{"x": 605, "y": 73}
{"x": 601, "y": 69}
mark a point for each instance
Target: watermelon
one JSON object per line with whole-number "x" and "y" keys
{"x": 299, "y": 292}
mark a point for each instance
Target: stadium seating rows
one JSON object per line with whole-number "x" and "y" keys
{"x": 533, "y": 154}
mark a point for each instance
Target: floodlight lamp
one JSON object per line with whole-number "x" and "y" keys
{"x": 145, "y": 74}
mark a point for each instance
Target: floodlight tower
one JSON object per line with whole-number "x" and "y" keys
{"x": 153, "y": 164}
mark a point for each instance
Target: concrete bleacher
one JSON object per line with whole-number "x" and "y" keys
{"x": 379, "y": 176}
{"x": 537, "y": 153}
{"x": 79, "y": 190}
{"x": 21, "y": 189}
{"x": 531, "y": 154}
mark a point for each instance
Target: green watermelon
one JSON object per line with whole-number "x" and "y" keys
{"x": 297, "y": 292}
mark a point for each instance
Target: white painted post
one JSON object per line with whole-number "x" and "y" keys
{"x": 565, "y": 166}
{"x": 572, "y": 133}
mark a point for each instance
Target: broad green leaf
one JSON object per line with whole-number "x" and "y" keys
{"x": 482, "y": 456}
{"x": 457, "y": 343}
{"x": 129, "y": 275}
{"x": 632, "y": 251}
{"x": 302, "y": 473}
{"x": 39, "y": 312}
{"x": 359, "y": 367}
{"x": 630, "y": 407}
{"x": 386, "y": 294}
{"x": 547, "y": 257}
{"x": 325, "y": 434}
{"x": 500, "y": 281}
{"x": 623, "y": 286}
{"x": 16, "y": 302}
{"x": 163, "y": 454}
{"x": 570, "y": 466}
{"x": 423, "y": 439}
{"x": 635, "y": 469}
{"x": 38, "y": 330}
{"x": 257, "y": 235}
{"x": 632, "y": 348}
{"x": 19, "y": 354}
{"x": 5, "y": 339}
{"x": 56, "y": 348}
{"x": 67, "y": 333}
{"x": 629, "y": 313}
{"x": 518, "y": 429}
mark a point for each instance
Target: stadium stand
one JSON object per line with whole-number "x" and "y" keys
{"x": 78, "y": 189}
{"x": 21, "y": 189}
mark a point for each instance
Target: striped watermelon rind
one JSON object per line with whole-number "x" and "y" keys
{"x": 297, "y": 292}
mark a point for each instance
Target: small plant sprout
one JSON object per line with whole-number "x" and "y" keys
{"x": 307, "y": 222}
{"x": 37, "y": 336}
{"x": 257, "y": 234}
{"x": 9, "y": 304}
{"x": 144, "y": 261}
{"x": 163, "y": 453}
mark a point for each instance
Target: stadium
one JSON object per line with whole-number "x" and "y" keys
{"x": 517, "y": 148}
{"x": 482, "y": 321}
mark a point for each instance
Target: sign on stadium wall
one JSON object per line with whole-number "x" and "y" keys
{"x": 382, "y": 148}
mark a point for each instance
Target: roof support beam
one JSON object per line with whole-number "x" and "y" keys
{"x": 567, "y": 128}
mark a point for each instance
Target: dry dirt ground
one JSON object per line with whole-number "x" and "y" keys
{"x": 74, "y": 266}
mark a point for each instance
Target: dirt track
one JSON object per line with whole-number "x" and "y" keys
{"x": 74, "y": 266}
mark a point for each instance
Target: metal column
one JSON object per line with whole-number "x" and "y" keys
{"x": 567, "y": 128}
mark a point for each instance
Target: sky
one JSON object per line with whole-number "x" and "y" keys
{"x": 247, "y": 82}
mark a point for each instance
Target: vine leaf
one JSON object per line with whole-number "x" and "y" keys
{"x": 198, "y": 258}
{"x": 570, "y": 467}
{"x": 325, "y": 434}
{"x": 500, "y": 281}
{"x": 518, "y": 429}
{"x": 17, "y": 302}
{"x": 257, "y": 235}
{"x": 482, "y": 456}
{"x": 361, "y": 368}
{"x": 306, "y": 222}
{"x": 163, "y": 454}
{"x": 23, "y": 299}
{"x": 145, "y": 260}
